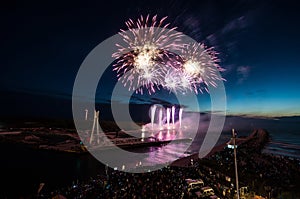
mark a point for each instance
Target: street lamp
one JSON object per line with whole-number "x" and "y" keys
{"x": 235, "y": 164}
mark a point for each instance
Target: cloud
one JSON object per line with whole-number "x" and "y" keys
{"x": 235, "y": 24}
{"x": 242, "y": 73}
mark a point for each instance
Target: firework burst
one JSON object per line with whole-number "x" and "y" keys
{"x": 147, "y": 59}
{"x": 200, "y": 64}
{"x": 140, "y": 62}
{"x": 176, "y": 81}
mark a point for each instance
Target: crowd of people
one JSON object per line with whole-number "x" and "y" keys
{"x": 168, "y": 182}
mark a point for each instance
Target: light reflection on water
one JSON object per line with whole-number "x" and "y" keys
{"x": 170, "y": 152}
{"x": 162, "y": 154}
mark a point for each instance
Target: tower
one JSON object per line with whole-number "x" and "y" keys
{"x": 95, "y": 123}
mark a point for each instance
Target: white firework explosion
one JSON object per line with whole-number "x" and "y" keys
{"x": 140, "y": 62}
{"x": 201, "y": 65}
{"x": 177, "y": 81}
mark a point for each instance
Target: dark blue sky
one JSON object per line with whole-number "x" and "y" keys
{"x": 43, "y": 44}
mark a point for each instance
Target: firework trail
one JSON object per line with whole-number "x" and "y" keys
{"x": 140, "y": 63}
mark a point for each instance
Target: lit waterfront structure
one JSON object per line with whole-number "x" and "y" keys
{"x": 95, "y": 123}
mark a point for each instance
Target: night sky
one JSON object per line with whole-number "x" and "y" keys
{"x": 43, "y": 44}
